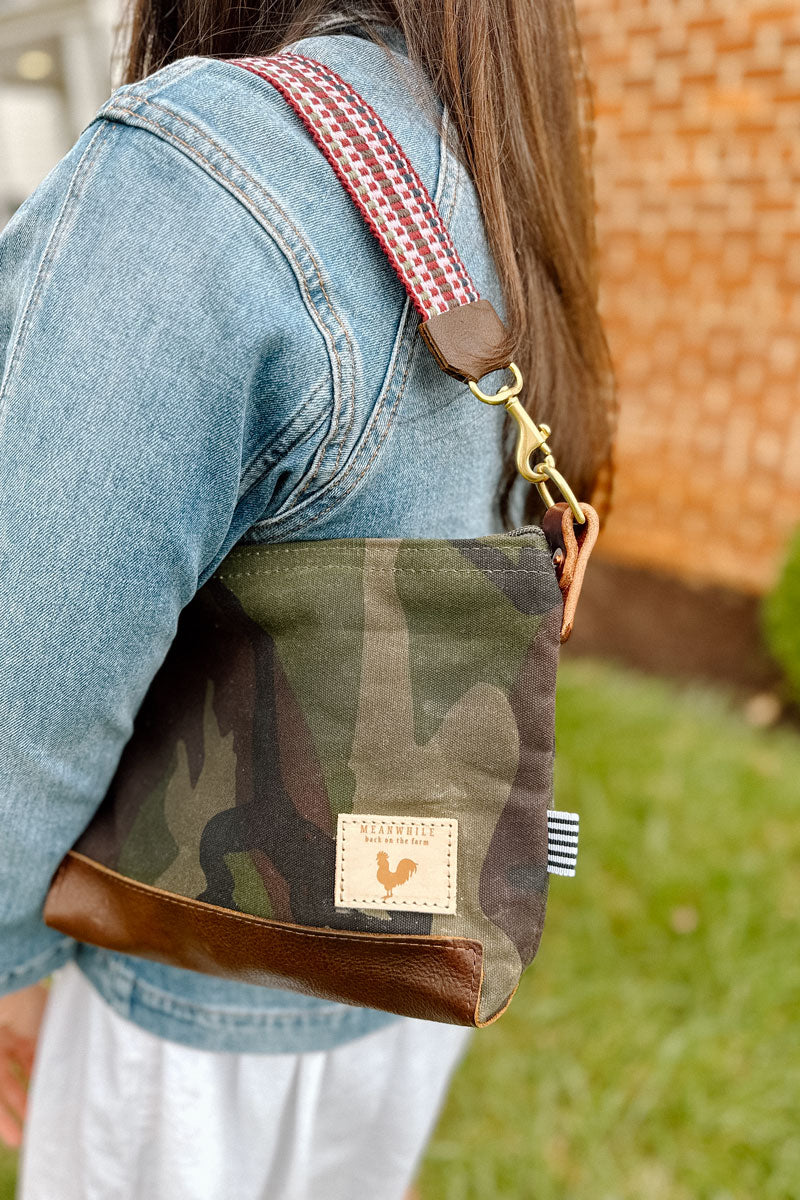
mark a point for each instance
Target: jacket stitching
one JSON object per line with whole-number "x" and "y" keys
{"x": 352, "y": 415}
{"x": 250, "y": 178}
{"x": 442, "y": 183}
{"x": 177, "y": 71}
{"x": 290, "y": 518}
{"x": 45, "y": 962}
{"x": 292, "y": 434}
{"x": 339, "y": 495}
{"x": 284, "y": 246}
{"x": 388, "y": 425}
{"x": 76, "y": 184}
{"x": 227, "y": 1018}
{"x": 334, "y": 435}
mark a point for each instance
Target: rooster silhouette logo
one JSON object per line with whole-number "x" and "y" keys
{"x": 392, "y": 879}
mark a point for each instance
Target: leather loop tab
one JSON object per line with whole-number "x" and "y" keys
{"x": 468, "y": 341}
{"x": 571, "y": 546}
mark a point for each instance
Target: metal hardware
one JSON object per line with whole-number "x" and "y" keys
{"x": 532, "y": 438}
{"x": 505, "y": 393}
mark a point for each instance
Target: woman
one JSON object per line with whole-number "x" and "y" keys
{"x": 203, "y": 345}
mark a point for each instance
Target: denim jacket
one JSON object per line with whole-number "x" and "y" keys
{"x": 201, "y": 344}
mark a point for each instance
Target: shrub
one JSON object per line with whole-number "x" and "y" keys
{"x": 782, "y": 617}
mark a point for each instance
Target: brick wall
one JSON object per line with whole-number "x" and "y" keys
{"x": 698, "y": 187}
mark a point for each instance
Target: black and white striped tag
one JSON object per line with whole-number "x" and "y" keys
{"x": 562, "y": 842}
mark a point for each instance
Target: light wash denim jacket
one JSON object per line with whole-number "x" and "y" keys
{"x": 201, "y": 344}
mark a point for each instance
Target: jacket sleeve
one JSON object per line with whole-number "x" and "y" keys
{"x": 125, "y": 419}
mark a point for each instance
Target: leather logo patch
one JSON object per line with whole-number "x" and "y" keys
{"x": 405, "y": 863}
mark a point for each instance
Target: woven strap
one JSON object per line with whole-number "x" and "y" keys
{"x": 379, "y": 176}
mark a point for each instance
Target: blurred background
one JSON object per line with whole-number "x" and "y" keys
{"x": 55, "y": 71}
{"x": 653, "y": 1049}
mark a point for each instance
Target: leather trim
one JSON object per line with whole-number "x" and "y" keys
{"x": 571, "y": 546}
{"x": 433, "y": 978}
{"x": 468, "y": 341}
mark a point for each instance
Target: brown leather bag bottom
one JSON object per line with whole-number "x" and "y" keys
{"x": 435, "y": 978}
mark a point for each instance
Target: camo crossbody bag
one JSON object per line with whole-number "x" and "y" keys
{"x": 340, "y": 779}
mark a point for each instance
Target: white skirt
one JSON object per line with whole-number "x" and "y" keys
{"x": 116, "y": 1113}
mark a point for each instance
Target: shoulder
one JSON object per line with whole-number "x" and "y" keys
{"x": 239, "y": 128}
{"x": 327, "y": 295}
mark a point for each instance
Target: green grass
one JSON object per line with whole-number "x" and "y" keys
{"x": 8, "y": 1174}
{"x": 639, "y": 1062}
{"x": 779, "y": 612}
{"x": 653, "y": 1050}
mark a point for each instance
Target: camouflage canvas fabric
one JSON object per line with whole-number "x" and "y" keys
{"x": 401, "y": 677}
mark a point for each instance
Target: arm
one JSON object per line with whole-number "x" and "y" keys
{"x": 20, "y": 1017}
{"x": 135, "y": 296}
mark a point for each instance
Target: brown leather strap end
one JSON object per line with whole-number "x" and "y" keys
{"x": 571, "y": 545}
{"x": 468, "y": 341}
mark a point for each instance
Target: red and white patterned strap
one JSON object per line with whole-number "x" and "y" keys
{"x": 377, "y": 173}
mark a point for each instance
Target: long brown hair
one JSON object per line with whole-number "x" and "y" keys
{"x": 510, "y": 73}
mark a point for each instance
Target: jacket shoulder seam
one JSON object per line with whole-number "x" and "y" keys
{"x": 152, "y": 85}
{"x": 334, "y": 330}
{"x": 334, "y": 434}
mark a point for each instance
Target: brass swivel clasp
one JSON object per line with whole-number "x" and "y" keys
{"x": 532, "y": 439}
